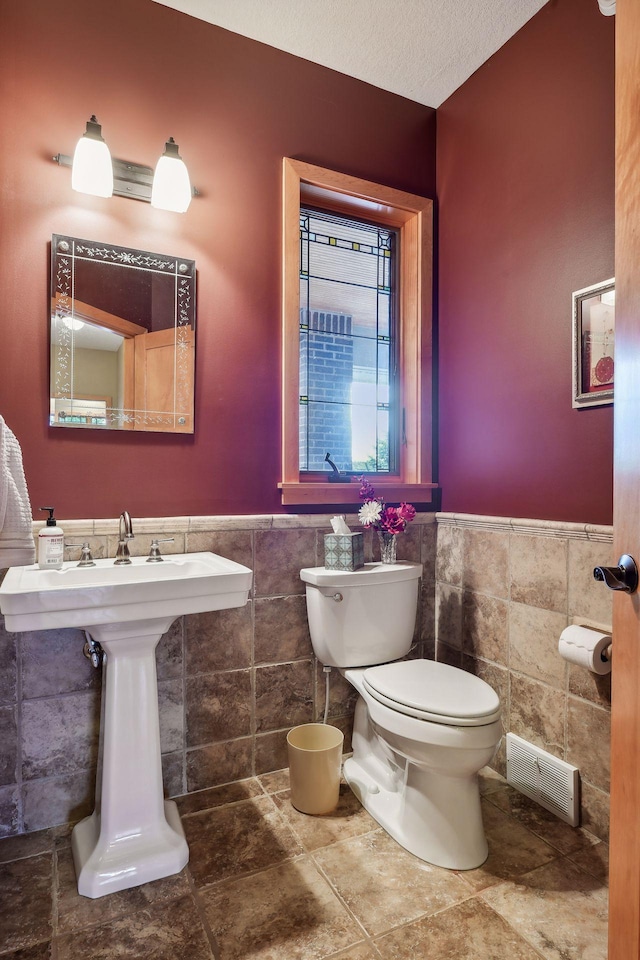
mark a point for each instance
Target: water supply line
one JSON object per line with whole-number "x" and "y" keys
{"x": 327, "y": 673}
{"x": 93, "y": 651}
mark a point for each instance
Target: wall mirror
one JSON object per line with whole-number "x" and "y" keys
{"x": 122, "y": 338}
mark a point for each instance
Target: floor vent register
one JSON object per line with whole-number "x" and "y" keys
{"x": 552, "y": 783}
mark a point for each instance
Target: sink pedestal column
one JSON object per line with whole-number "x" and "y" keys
{"x": 134, "y": 835}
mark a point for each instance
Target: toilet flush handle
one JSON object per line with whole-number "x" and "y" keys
{"x": 334, "y": 596}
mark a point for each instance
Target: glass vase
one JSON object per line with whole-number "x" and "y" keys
{"x": 387, "y": 547}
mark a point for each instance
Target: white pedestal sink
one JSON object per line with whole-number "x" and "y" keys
{"x": 134, "y": 835}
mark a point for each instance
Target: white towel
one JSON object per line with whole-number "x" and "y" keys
{"x": 16, "y": 538}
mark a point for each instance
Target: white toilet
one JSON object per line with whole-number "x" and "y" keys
{"x": 422, "y": 729}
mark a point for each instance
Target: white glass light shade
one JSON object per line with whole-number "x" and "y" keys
{"x": 171, "y": 186}
{"x": 92, "y": 170}
{"x": 72, "y": 323}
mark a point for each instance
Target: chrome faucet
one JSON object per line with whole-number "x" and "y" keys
{"x": 125, "y": 533}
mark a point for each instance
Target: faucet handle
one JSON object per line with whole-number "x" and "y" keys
{"x": 154, "y": 552}
{"x": 86, "y": 560}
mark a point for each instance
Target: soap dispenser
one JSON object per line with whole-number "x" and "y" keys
{"x": 50, "y": 544}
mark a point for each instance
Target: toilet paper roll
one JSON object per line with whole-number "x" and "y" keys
{"x": 585, "y": 647}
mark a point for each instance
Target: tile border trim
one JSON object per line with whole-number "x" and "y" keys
{"x": 208, "y": 524}
{"x": 536, "y": 528}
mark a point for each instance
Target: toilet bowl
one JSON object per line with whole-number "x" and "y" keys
{"x": 418, "y": 777}
{"x": 422, "y": 729}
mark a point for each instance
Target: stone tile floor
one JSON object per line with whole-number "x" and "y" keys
{"x": 265, "y": 882}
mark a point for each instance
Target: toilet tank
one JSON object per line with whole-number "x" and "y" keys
{"x": 362, "y": 617}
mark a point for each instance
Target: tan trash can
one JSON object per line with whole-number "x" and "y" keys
{"x": 315, "y": 755}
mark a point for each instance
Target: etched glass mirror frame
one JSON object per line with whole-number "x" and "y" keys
{"x": 148, "y": 348}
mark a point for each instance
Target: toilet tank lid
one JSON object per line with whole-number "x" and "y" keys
{"x": 370, "y": 573}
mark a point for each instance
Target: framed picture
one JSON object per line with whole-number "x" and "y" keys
{"x": 594, "y": 325}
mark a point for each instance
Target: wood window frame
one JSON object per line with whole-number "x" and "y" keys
{"x": 412, "y": 216}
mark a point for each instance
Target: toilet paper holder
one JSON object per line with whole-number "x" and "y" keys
{"x": 607, "y": 653}
{"x": 623, "y": 577}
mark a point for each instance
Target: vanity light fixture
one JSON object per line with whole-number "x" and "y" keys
{"x": 96, "y": 172}
{"x": 92, "y": 171}
{"x": 171, "y": 187}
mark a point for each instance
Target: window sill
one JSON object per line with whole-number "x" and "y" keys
{"x": 309, "y": 494}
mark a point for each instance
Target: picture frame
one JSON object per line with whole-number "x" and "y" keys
{"x": 593, "y": 344}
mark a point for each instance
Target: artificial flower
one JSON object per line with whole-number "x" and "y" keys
{"x": 391, "y": 521}
{"x": 407, "y": 511}
{"x": 366, "y": 490}
{"x": 374, "y": 513}
{"x": 369, "y": 513}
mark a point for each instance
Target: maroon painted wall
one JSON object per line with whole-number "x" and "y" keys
{"x": 526, "y": 216}
{"x": 236, "y": 108}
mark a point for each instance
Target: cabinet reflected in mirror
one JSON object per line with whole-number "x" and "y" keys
{"x": 122, "y": 338}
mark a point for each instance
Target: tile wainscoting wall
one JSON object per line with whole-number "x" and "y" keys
{"x": 496, "y": 594}
{"x": 231, "y": 683}
{"x": 505, "y": 590}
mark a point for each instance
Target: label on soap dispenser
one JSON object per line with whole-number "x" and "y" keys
{"x": 50, "y": 550}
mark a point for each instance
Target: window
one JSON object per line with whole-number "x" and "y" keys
{"x": 348, "y": 344}
{"x": 356, "y": 337}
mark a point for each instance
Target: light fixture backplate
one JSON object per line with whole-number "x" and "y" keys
{"x": 129, "y": 179}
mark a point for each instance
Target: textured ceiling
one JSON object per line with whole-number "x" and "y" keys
{"x": 420, "y": 49}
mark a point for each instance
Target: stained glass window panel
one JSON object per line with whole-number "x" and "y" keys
{"x": 348, "y": 344}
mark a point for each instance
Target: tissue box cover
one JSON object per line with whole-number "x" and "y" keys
{"x": 343, "y": 551}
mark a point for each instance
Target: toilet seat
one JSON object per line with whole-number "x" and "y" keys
{"x": 433, "y": 691}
